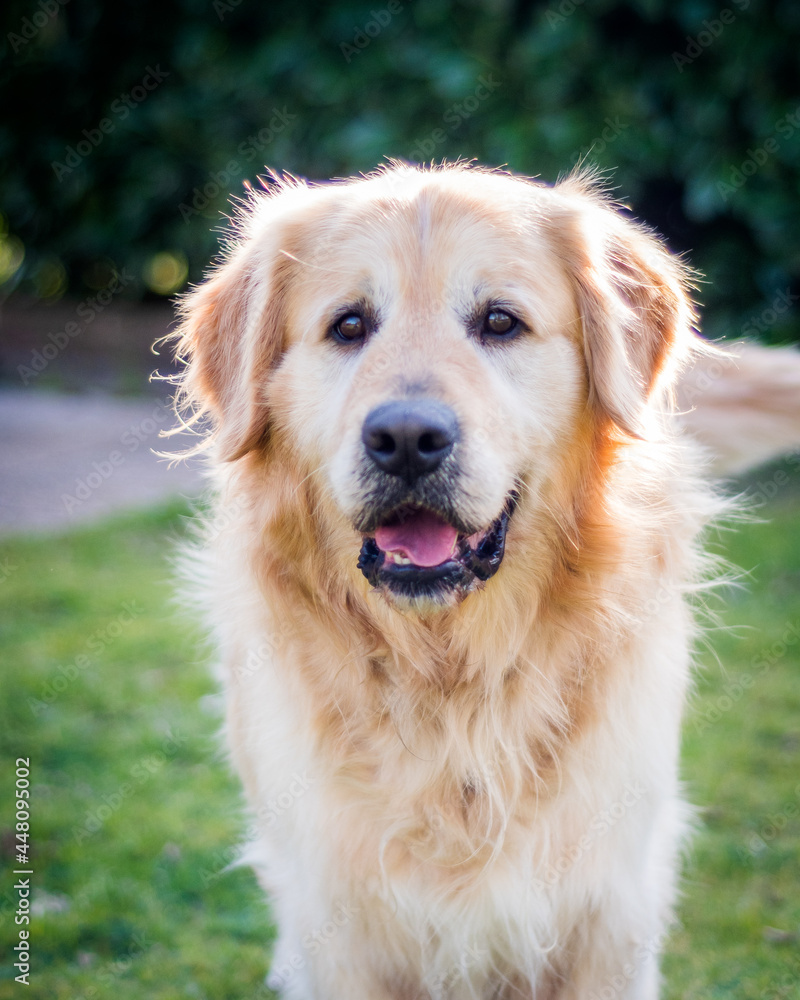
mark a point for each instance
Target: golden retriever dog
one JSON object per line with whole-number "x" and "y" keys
{"x": 456, "y": 525}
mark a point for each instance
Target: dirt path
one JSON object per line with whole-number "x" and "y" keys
{"x": 71, "y": 459}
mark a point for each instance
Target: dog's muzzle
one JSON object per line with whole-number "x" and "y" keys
{"x": 415, "y": 550}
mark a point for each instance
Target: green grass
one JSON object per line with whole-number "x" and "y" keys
{"x": 134, "y": 811}
{"x": 741, "y": 911}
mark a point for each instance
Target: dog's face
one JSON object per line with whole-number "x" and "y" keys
{"x": 427, "y": 346}
{"x": 434, "y": 345}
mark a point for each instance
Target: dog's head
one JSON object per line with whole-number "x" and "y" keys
{"x": 425, "y": 347}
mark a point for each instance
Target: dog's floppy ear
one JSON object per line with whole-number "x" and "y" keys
{"x": 229, "y": 337}
{"x": 636, "y": 314}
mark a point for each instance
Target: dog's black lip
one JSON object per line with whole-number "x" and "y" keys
{"x": 484, "y": 561}
{"x": 462, "y": 572}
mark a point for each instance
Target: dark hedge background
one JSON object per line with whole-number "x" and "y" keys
{"x": 693, "y": 106}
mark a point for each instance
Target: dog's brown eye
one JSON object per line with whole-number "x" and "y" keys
{"x": 350, "y": 328}
{"x": 499, "y": 323}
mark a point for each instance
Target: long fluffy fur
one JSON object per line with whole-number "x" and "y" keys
{"x": 480, "y": 800}
{"x": 743, "y": 405}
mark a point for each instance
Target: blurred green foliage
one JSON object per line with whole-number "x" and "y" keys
{"x": 693, "y": 107}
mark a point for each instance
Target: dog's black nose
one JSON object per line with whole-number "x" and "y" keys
{"x": 410, "y": 437}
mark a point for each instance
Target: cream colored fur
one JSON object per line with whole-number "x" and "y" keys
{"x": 479, "y": 800}
{"x": 744, "y": 406}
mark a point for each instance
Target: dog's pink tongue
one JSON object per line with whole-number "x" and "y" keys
{"x": 422, "y": 537}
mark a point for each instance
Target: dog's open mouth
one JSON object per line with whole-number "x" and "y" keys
{"x": 417, "y": 553}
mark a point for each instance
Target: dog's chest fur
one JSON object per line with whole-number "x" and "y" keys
{"x": 474, "y": 784}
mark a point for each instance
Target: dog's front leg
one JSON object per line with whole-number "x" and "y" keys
{"x": 606, "y": 969}
{"x": 338, "y": 978}
{"x": 339, "y": 958}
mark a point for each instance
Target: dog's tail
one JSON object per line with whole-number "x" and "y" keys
{"x": 742, "y": 405}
